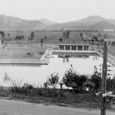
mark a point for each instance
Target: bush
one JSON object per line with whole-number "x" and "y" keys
{"x": 88, "y": 85}
{"x": 69, "y": 78}
{"x": 96, "y": 79}
{"x": 110, "y": 84}
{"x": 74, "y": 80}
{"x": 53, "y": 80}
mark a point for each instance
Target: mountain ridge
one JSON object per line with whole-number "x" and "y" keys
{"x": 91, "y": 22}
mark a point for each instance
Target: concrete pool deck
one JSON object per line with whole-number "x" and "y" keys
{"x": 15, "y": 54}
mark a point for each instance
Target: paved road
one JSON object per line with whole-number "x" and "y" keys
{"x": 8, "y": 107}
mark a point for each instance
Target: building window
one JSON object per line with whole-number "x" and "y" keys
{"x": 61, "y": 47}
{"x": 67, "y": 47}
{"x": 80, "y": 48}
{"x": 86, "y": 47}
{"x": 73, "y": 47}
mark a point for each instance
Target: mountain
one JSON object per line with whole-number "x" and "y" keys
{"x": 47, "y": 22}
{"x": 111, "y": 21}
{"x": 103, "y": 25}
{"x": 91, "y": 22}
{"x": 8, "y": 22}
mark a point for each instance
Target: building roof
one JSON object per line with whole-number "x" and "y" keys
{"x": 75, "y": 44}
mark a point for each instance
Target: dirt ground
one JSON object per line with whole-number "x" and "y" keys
{"x": 10, "y": 107}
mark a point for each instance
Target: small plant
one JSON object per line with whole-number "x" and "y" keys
{"x": 45, "y": 85}
{"x": 53, "y": 79}
{"x": 15, "y": 86}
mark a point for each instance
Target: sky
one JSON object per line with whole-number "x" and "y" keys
{"x": 57, "y": 10}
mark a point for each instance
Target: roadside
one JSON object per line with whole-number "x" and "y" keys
{"x": 85, "y": 101}
{"x": 11, "y": 107}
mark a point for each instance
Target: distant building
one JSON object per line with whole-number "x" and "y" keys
{"x": 79, "y": 47}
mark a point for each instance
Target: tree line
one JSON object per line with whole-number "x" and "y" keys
{"x": 81, "y": 83}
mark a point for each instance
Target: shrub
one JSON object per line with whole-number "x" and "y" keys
{"x": 74, "y": 80}
{"x": 88, "y": 85}
{"x": 53, "y": 79}
{"x": 69, "y": 78}
{"x": 15, "y": 86}
{"x": 110, "y": 84}
{"x": 96, "y": 79}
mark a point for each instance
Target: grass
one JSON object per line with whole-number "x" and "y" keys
{"x": 23, "y": 52}
{"x": 51, "y": 96}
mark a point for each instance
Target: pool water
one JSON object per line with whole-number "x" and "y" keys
{"x": 37, "y": 75}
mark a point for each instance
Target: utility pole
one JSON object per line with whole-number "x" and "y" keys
{"x": 104, "y": 75}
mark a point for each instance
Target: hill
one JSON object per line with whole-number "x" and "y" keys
{"x": 91, "y": 22}
{"x": 103, "y": 25}
{"x": 8, "y": 22}
{"x": 47, "y": 22}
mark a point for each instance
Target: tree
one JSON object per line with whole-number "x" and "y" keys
{"x": 32, "y": 35}
{"x": 53, "y": 79}
{"x": 8, "y": 34}
{"x": 42, "y": 41}
{"x": 96, "y": 79}
{"x": 28, "y": 86}
{"x": 69, "y": 78}
{"x": 45, "y": 85}
{"x": 60, "y": 39}
{"x": 110, "y": 84}
{"x": 45, "y": 38}
{"x": 2, "y": 33}
{"x": 74, "y": 80}
{"x": 66, "y": 34}
{"x": 80, "y": 82}
{"x": 2, "y": 36}
{"x": 94, "y": 39}
{"x": 81, "y": 36}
